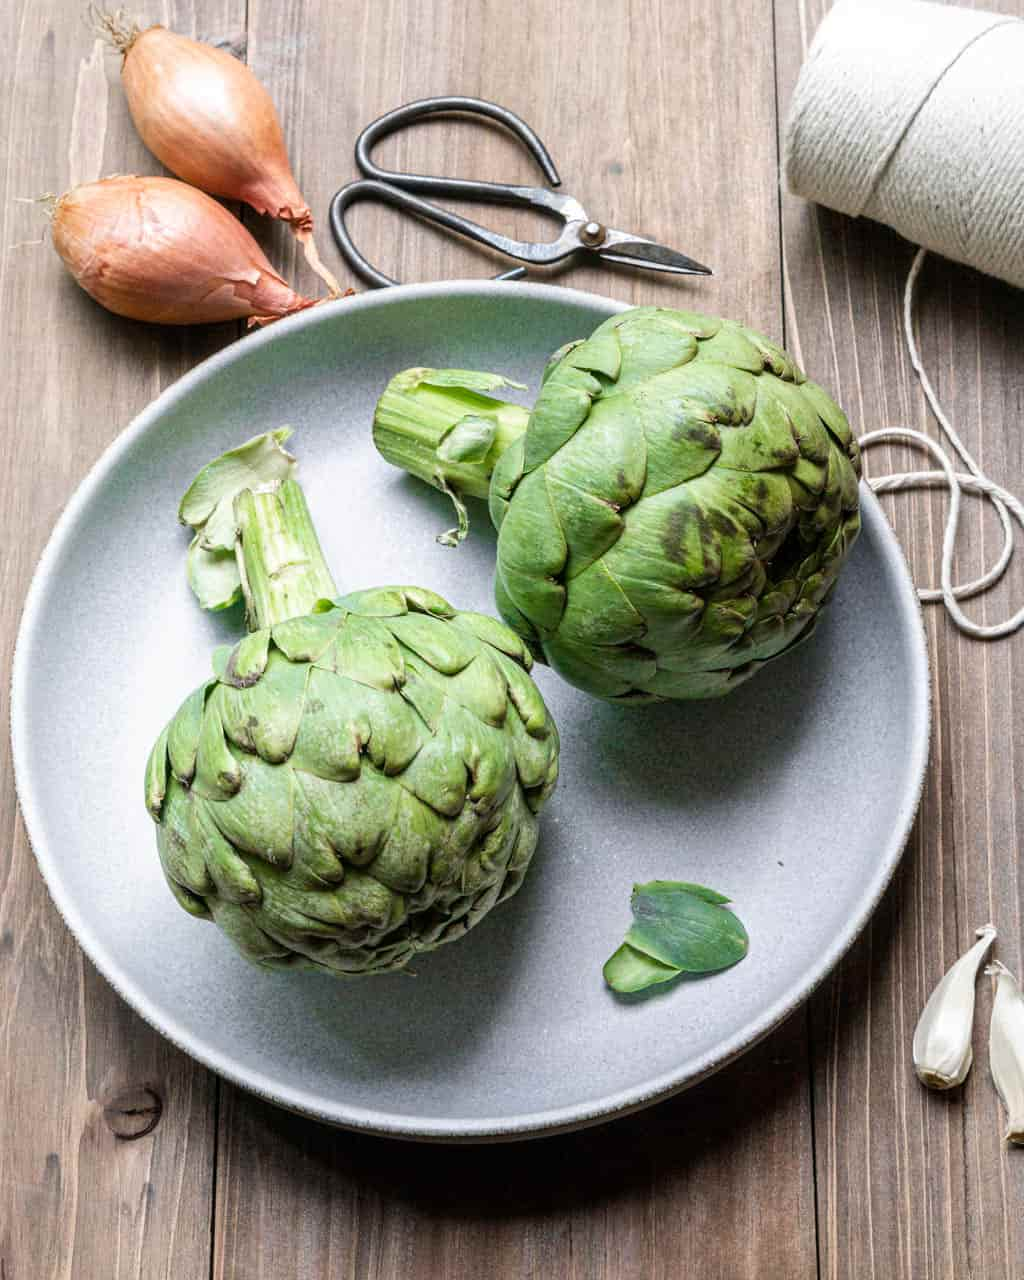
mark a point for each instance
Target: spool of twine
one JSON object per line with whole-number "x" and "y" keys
{"x": 912, "y": 114}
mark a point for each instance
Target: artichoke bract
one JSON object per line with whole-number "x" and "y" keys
{"x": 672, "y": 514}
{"x": 359, "y": 780}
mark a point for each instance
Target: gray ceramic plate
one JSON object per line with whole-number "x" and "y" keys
{"x": 795, "y": 795}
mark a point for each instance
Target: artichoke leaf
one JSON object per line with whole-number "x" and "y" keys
{"x": 683, "y": 929}
{"x": 306, "y": 639}
{"x": 264, "y": 717}
{"x": 366, "y": 652}
{"x": 443, "y": 647}
{"x": 259, "y": 463}
{"x": 830, "y": 413}
{"x": 259, "y": 817}
{"x": 352, "y": 818}
{"x": 184, "y": 731}
{"x": 220, "y": 532}
{"x": 561, "y": 409}
{"x": 248, "y": 659}
{"x": 156, "y": 776}
{"x": 228, "y": 870}
{"x": 217, "y": 774}
{"x": 598, "y": 611}
{"x": 589, "y": 523}
{"x": 213, "y": 576}
{"x": 628, "y": 970}
{"x": 182, "y": 861}
{"x": 495, "y": 634}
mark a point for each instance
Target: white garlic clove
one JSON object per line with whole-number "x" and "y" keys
{"x": 1006, "y": 1048}
{"x": 942, "y": 1039}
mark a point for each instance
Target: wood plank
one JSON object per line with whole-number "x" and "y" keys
{"x": 75, "y": 1200}
{"x": 644, "y": 129}
{"x": 701, "y": 1176}
{"x": 913, "y": 1184}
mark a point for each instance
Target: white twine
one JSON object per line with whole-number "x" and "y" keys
{"x": 956, "y": 482}
{"x": 911, "y": 113}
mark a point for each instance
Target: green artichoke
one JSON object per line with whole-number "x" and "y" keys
{"x": 672, "y": 514}
{"x": 360, "y": 779}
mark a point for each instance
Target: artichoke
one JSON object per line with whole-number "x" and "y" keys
{"x": 672, "y": 514}
{"x": 360, "y": 778}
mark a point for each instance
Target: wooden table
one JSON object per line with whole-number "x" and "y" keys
{"x": 815, "y": 1155}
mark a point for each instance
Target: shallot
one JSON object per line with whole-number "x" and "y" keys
{"x": 207, "y": 117}
{"x": 157, "y": 249}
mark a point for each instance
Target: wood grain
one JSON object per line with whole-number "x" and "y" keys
{"x": 912, "y": 1183}
{"x": 699, "y": 1178}
{"x": 75, "y": 1200}
{"x": 817, "y": 1153}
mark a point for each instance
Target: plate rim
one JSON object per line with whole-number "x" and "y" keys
{"x": 562, "y": 1119}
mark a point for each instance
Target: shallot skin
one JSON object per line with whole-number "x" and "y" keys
{"x": 158, "y": 250}
{"x": 205, "y": 116}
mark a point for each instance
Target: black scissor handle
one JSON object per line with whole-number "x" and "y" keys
{"x": 372, "y": 189}
{"x": 467, "y": 188}
{"x": 398, "y": 189}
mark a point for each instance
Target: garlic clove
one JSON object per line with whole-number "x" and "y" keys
{"x": 1006, "y": 1048}
{"x": 942, "y": 1039}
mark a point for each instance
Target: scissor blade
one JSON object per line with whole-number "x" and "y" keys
{"x": 634, "y": 251}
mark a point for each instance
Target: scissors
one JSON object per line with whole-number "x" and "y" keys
{"x": 580, "y": 233}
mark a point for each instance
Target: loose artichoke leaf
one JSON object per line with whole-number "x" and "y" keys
{"x": 213, "y": 576}
{"x": 683, "y": 886}
{"x": 678, "y": 927}
{"x": 220, "y": 532}
{"x": 259, "y": 463}
{"x": 628, "y": 970}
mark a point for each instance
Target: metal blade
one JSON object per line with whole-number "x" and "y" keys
{"x": 635, "y": 251}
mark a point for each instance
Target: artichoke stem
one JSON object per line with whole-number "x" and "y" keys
{"x": 432, "y": 424}
{"x": 282, "y": 567}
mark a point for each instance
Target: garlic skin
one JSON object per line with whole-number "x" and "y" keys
{"x": 158, "y": 250}
{"x": 1006, "y": 1048}
{"x": 942, "y": 1039}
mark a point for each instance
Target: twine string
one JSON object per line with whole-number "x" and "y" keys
{"x": 974, "y": 480}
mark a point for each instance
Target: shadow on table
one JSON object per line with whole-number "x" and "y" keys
{"x": 749, "y": 1111}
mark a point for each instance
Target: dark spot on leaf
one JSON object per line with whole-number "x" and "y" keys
{"x": 314, "y": 706}
{"x": 672, "y": 539}
{"x": 614, "y": 167}
{"x": 6, "y": 942}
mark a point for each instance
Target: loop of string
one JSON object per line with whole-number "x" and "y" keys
{"x": 1008, "y": 507}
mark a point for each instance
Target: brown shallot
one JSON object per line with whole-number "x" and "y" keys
{"x": 157, "y": 249}
{"x": 208, "y": 118}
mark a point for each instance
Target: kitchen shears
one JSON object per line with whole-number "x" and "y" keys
{"x": 580, "y": 233}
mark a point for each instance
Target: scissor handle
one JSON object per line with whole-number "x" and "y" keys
{"x": 372, "y": 189}
{"x": 467, "y": 188}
